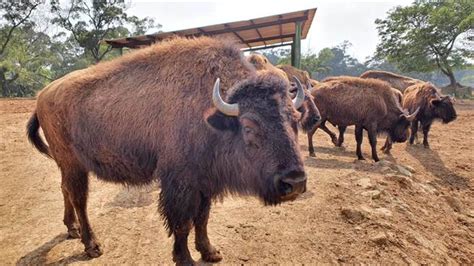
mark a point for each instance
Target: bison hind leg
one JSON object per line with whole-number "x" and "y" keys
{"x": 75, "y": 186}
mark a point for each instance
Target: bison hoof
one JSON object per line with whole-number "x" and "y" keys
{"x": 214, "y": 256}
{"x": 361, "y": 158}
{"x": 312, "y": 154}
{"x": 73, "y": 233}
{"x": 94, "y": 251}
{"x": 335, "y": 142}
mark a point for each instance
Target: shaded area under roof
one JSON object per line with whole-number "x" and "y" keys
{"x": 256, "y": 33}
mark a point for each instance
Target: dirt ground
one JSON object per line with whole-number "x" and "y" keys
{"x": 416, "y": 206}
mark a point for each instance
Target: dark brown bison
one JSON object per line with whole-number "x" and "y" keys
{"x": 157, "y": 114}
{"x": 433, "y": 106}
{"x": 366, "y": 103}
{"x": 398, "y": 82}
{"x": 309, "y": 112}
{"x": 342, "y": 129}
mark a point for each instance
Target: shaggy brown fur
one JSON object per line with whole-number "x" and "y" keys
{"x": 291, "y": 71}
{"x": 432, "y": 105}
{"x": 366, "y": 103}
{"x": 397, "y": 81}
{"x": 340, "y": 140}
{"x": 148, "y": 116}
{"x": 309, "y": 112}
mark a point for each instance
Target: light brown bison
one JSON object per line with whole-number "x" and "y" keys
{"x": 292, "y": 71}
{"x": 309, "y": 112}
{"x": 433, "y": 106}
{"x": 398, "y": 82}
{"x": 157, "y": 115}
{"x": 366, "y": 103}
{"x": 342, "y": 129}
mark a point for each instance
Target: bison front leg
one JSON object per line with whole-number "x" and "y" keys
{"x": 359, "y": 137}
{"x": 414, "y": 130}
{"x": 310, "y": 141}
{"x": 330, "y": 133}
{"x": 179, "y": 204}
{"x": 203, "y": 245}
{"x": 372, "y": 132}
{"x": 181, "y": 253}
{"x": 426, "y": 129}
{"x": 340, "y": 139}
{"x": 387, "y": 146}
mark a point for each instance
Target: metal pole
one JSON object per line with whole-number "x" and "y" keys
{"x": 296, "y": 46}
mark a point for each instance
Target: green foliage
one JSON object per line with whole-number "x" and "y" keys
{"x": 328, "y": 62}
{"x": 422, "y": 37}
{"x": 30, "y": 57}
{"x": 89, "y": 23}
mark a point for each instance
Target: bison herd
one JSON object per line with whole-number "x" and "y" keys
{"x": 204, "y": 121}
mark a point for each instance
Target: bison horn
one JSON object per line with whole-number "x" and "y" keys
{"x": 413, "y": 115}
{"x": 298, "y": 100}
{"x": 220, "y": 104}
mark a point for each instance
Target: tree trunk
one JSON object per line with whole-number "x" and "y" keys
{"x": 452, "y": 80}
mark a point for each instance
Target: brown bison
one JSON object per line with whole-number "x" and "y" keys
{"x": 340, "y": 140}
{"x": 398, "y": 82}
{"x": 292, "y": 71}
{"x": 309, "y": 112}
{"x": 433, "y": 106}
{"x": 157, "y": 115}
{"x": 366, "y": 103}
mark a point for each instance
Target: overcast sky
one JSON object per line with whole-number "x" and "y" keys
{"x": 335, "y": 21}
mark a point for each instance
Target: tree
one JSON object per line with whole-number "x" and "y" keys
{"x": 27, "y": 62}
{"x": 423, "y": 37}
{"x": 16, "y": 14}
{"x": 89, "y": 23}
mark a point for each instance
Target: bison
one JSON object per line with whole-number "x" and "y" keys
{"x": 433, "y": 106}
{"x": 398, "y": 82}
{"x": 366, "y": 103}
{"x": 340, "y": 140}
{"x": 157, "y": 114}
{"x": 309, "y": 112}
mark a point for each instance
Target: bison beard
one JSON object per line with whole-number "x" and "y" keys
{"x": 148, "y": 116}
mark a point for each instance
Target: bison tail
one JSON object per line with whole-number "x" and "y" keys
{"x": 32, "y": 129}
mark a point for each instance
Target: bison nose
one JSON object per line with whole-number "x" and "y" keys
{"x": 291, "y": 184}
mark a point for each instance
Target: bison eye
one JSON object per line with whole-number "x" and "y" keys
{"x": 248, "y": 130}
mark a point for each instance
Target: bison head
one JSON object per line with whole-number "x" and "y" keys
{"x": 258, "y": 126}
{"x": 399, "y": 131}
{"x": 442, "y": 107}
{"x": 310, "y": 115}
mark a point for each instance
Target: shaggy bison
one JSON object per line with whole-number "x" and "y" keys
{"x": 151, "y": 115}
{"x": 340, "y": 140}
{"x": 398, "y": 82}
{"x": 366, "y": 103}
{"x": 433, "y": 106}
{"x": 309, "y": 112}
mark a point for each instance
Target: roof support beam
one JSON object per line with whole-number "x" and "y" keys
{"x": 237, "y": 35}
{"x": 296, "y": 47}
{"x": 270, "y": 38}
{"x": 266, "y": 47}
{"x": 258, "y": 32}
{"x": 260, "y": 25}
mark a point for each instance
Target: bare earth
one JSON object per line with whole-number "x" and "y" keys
{"x": 417, "y": 206}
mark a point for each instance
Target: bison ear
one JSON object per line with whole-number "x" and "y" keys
{"x": 218, "y": 120}
{"x": 435, "y": 102}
